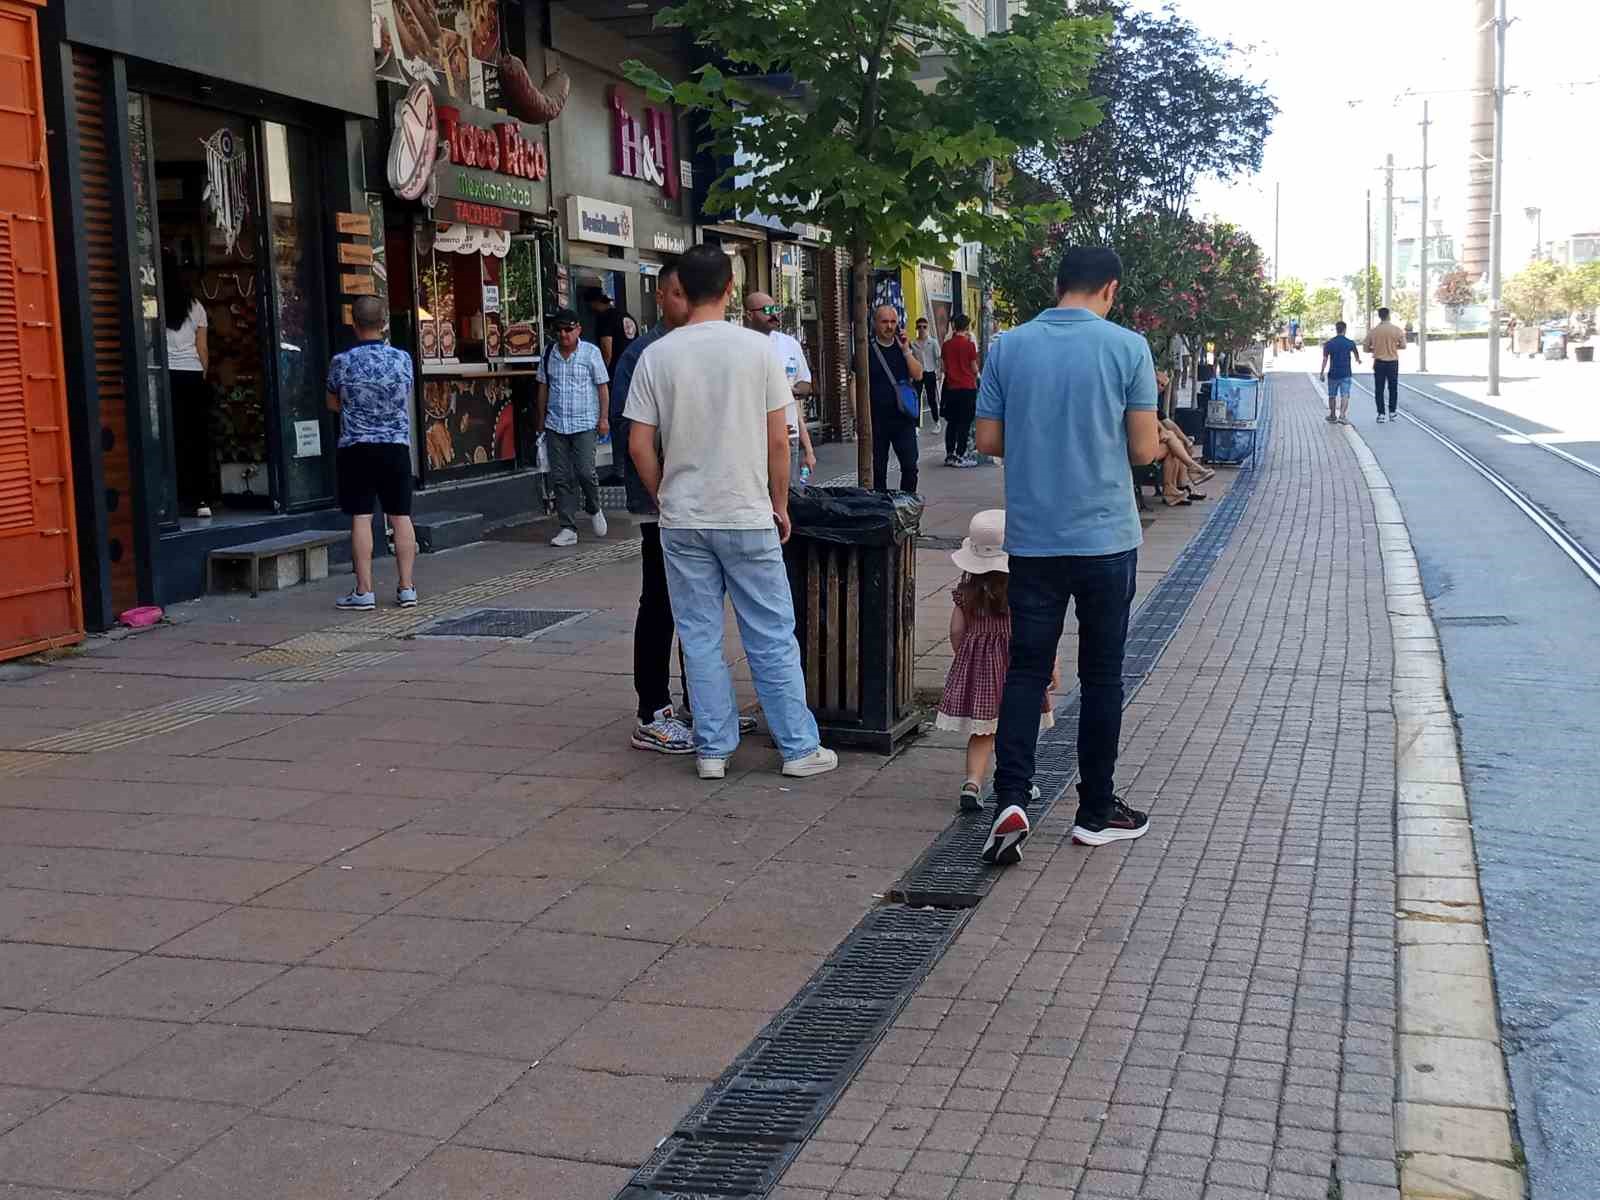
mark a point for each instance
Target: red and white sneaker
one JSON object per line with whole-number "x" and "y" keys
{"x": 1006, "y": 835}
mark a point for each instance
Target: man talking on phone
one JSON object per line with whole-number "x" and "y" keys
{"x": 891, "y": 363}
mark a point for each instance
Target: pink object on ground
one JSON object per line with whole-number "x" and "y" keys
{"x": 139, "y": 618}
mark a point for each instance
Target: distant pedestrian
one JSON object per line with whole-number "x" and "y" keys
{"x": 574, "y": 413}
{"x": 891, "y": 364}
{"x": 763, "y": 314}
{"x": 1069, "y": 401}
{"x": 1294, "y": 333}
{"x": 926, "y": 348}
{"x": 980, "y": 640}
{"x": 371, "y": 387}
{"x": 1385, "y": 343}
{"x": 960, "y": 358}
{"x": 1337, "y": 352}
{"x": 714, "y": 395}
{"x": 614, "y": 328}
{"x": 659, "y": 727}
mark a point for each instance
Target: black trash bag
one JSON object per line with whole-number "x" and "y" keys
{"x": 853, "y": 516}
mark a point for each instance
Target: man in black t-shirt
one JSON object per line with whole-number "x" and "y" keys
{"x": 890, "y": 363}
{"x": 614, "y": 328}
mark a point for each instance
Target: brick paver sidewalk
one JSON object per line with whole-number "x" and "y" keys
{"x": 296, "y": 906}
{"x": 1209, "y": 1012}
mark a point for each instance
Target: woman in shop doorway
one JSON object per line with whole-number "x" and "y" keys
{"x": 187, "y": 360}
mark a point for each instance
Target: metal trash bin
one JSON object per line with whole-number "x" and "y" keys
{"x": 1583, "y": 354}
{"x": 852, "y": 562}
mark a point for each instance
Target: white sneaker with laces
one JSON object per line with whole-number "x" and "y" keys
{"x": 819, "y": 762}
{"x": 712, "y": 768}
{"x": 567, "y": 537}
{"x": 598, "y": 522}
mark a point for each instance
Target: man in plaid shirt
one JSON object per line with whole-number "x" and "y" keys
{"x": 573, "y": 411}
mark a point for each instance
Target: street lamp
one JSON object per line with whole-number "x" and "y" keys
{"x": 1536, "y": 215}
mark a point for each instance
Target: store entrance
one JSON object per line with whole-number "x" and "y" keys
{"x": 229, "y": 258}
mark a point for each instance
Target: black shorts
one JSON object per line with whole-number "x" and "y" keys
{"x": 375, "y": 470}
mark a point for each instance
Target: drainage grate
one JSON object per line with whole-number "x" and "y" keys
{"x": 1492, "y": 619}
{"x": 752, "y": 1122}
{"x": 513, "y": 623}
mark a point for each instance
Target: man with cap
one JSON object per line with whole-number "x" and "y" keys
{"x": 927, "y": 349}
{"x": 573, "y": 411}
{"x": 762, "y": 313}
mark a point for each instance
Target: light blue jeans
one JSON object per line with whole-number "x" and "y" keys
{"x": 746, "y": 565}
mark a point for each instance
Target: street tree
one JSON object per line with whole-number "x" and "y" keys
{"x": 1294, "y": 300}
{"x": 1581, "y": 288}
{"x": 1536, "y": 292}
{"x": 1455, "y": 291}
{"x": 1176, "y": 113}
{"x": 1327, "y": 307}
{"x": 1372, "y": 296}
{"x": 1404, "y": 303}
{"x": 823, "y": 111}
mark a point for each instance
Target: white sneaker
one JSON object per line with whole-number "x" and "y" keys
{"x": 819, "y": 762}
{"x": 712, "y": 768}
{"x": 598, "y": 523}
{"x": 567, "y": 537}
{"x": 203, "y": 512}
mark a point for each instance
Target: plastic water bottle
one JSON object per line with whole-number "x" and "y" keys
{"x": 805, "y": 473}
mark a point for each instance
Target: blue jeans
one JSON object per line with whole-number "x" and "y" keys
{"x": 1101, "y": 587}
{"x": 703, "y": 567}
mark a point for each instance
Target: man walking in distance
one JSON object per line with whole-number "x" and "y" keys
{"x": 614, "y": 328}
{"x": 720, "y": 476}
{"x": 1384, "y": 343}
{"x": 573, "y": 410}
{"x": 370, "y": 386}
{"x": 960, "y": 356}
{"x": 659, "y": 728}
{"x": 1337, "y": 352}
{"x": 1069, "y": 400}
{"x": 889, "y": 364}
{"x": 926, "y": 348}
{"x": 762, "y": 313}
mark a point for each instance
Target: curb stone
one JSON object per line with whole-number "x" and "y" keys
{"x": 1453, "y": 1121}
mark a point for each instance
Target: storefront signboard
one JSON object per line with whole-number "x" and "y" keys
{"x": 643, "y": 149}
{"x": 591, "y": 220}
{"x": 415, "y": 144}
{"x": 466, "y": 154}
{"x": 669, "y": 243}
{"x": 465, "y": 212}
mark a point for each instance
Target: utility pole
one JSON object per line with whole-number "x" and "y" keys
{"x": 1388, "y": 228}
{"x": 1494, "y": 214}
{"x": 1277, "y": 209}
{"x": 1366, "y": 276}
{"x": 1422, "y": 289}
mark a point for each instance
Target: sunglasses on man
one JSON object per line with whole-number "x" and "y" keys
{"x": 771, "y": 310}
{"x": 567, "y": 328}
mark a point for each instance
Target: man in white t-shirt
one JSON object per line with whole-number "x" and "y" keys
{"x": 762, "y": 313}
{"x": 714, "y": 395}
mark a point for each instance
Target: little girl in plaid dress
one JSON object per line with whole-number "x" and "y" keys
{"x": 980, "y": 636}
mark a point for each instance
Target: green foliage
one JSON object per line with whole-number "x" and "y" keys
{"x": 1581, "y": 289}
{"x": 1537, "y": 291}
{"x": 1176, "y": 112}
{"x": 1326, "y": 307}
{"x": 1374, "y": 288}
{"x": 896, "y": 170}
{"x": 1404, "y": 303}
{"x": 1294, "y": 300}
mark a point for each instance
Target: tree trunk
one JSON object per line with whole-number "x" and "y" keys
{"x": 861, "y": 282}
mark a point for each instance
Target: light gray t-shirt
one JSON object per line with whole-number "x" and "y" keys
{"x": 708, "y": 388}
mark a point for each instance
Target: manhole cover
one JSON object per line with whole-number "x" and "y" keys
{"x": 1491, "y": 619}
{"x": 505, "y": 622}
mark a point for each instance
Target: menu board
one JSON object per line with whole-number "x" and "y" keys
{"x": 452, "y": 44}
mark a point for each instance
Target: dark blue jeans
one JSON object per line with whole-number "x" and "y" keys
{"x": 1386, "y": 374}
{"x": 1101, "y": 589}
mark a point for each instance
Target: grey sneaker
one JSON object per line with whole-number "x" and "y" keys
{"x": 405, "y": 597}
{"x": 567, "y": 537}
{"x": 356, "y": 601}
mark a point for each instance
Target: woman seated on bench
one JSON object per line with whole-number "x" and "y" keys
{"x": 1180, "y": 473}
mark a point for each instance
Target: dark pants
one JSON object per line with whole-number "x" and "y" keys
{"x": 572, "y": 473}
{"x": 960, "y": 408}
{"x": 653, "y": 628}
{"x": 1386, "y": 374}
{"x": 929, "y": 383}
{"x": 894, "y": 432}
{"x": 191, "y": 437}
{"x": 1101, "y": 589}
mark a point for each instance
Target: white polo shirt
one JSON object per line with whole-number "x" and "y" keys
{"x": 791, "y": 355}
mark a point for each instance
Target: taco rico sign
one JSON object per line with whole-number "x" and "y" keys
{"x": 442, "y": 151}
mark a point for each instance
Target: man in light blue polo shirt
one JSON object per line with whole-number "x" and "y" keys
{"x": 1073, "y": 397}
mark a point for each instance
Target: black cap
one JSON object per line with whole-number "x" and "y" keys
{"x": 565, "y": 316}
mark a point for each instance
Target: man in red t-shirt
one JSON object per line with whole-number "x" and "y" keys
{"x": 960, "y": 392}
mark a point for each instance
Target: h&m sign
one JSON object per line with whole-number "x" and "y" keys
{"x": 643, "y": 150}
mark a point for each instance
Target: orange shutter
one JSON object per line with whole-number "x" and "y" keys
{"x": 39, "y": 601}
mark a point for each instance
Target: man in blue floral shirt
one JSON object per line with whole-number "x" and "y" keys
{"x": 574, "y": 411}
{"x": 370, "y": 386}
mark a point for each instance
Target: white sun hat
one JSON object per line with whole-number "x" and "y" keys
{"x": 984, "y": 547}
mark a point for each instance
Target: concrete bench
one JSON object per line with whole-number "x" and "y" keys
{"x": 288, "y": 559}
